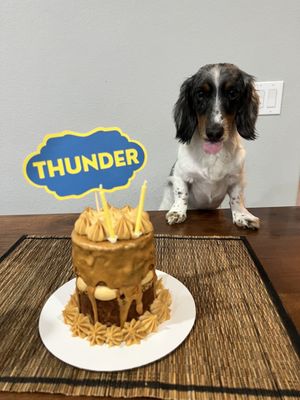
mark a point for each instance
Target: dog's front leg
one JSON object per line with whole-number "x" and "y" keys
{"x": 240, "y": 215}
{"x": 177, "y": 212}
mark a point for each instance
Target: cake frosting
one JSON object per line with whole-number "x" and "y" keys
{"x": 91, "y": 223}
{"x": 118, "y": 297}
{"x": 132, "y": 332}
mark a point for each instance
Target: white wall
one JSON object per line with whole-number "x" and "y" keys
{"x": 79, "y": 64}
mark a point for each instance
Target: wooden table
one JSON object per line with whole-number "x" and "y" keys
{"x": 277, "y": 245}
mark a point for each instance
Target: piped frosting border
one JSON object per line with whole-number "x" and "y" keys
{"x": 132, "y": 332}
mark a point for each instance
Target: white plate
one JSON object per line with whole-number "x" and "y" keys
{"x": 58, "y": 339}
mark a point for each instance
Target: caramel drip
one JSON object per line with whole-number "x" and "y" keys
{"x": 139, "y": 302}
{"x": 121, "y": 266}
{"x": 132, "y": 332}
{"x": 124, "y": 306}
{"x": 118, "y": 264}
{"x": 77, "y": 295}
{"x": 130, "y": 294}
{"x": 154, "y": 277}
{"x": 91, "y": 296}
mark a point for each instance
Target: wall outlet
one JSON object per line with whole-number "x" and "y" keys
{"x": 270, "y": 96}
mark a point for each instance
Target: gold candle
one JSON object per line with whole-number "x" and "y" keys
{"x": 97, "y": 203}
{"x": 112, "y": 237}
{"x": 137, "y": 230}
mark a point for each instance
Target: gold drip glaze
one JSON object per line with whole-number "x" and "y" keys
{"x": 91, "y": 295}
{"x": 131, "y": 333}
{"x": 130, "y": 260}
{"x": 107, "y": 271}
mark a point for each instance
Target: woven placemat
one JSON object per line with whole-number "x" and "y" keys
{"x": 243, "y": 344}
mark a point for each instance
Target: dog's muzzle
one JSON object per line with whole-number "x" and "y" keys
{"x": 214, "y": 133}
{"x": 213, "y": 142}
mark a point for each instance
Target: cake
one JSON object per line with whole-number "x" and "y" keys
{"x": 118, "y": 297}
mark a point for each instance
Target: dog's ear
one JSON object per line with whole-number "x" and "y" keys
{"x": 247, "y": 113}
{"x": 184, "y": 113}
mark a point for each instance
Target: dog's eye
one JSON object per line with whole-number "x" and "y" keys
{"x": 201, "y": 94}
{"x": 232, "y": 94}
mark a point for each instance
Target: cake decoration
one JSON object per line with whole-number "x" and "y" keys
{"x": 80, "y": 326}
{"x": 93, "y": 224}
{"x": 114, "y": 336}
{"x": 131, "y": 333}
{"x": 71, "y": 164}
{"x": 137, "y": 229}
{"x": 95, "y": 230}
{"x": 118, "y": 298}
{"x": 107, "y": 217}
{"x": 149, "y": 322}
{"x": 97, "y": 334}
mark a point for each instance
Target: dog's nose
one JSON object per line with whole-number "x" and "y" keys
{"x": 214, "y": 133}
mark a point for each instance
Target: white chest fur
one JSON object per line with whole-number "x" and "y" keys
{"x": 209, "y": 175}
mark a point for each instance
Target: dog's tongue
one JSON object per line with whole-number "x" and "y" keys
{"x": 212, "y": 148}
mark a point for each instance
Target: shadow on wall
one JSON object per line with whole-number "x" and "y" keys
{"x": 298, "y": 196}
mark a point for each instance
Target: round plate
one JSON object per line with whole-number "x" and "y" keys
{"x": 58, "y": 339}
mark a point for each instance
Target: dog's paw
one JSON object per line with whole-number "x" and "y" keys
{"x": 246, "y": 220}
{"x": 175, "y": 217}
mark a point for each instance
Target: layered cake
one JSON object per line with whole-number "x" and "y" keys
{"x": 118, "y": 297}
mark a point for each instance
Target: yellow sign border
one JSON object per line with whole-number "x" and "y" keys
{"x": 64, "y": 133}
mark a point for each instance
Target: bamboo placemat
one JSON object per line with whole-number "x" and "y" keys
{"x": 243, "y": 344}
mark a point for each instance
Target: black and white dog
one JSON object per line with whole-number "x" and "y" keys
{"x": 216, "y": 106}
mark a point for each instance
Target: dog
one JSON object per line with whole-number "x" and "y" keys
{"x": 215, "y": 107}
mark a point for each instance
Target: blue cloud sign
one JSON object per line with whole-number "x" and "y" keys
{"x": 70, "y": 164}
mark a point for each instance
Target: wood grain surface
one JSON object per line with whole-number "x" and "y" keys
{"x": 276, "y": 244}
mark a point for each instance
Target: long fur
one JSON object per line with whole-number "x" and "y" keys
{"x": 215, "y": 107}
